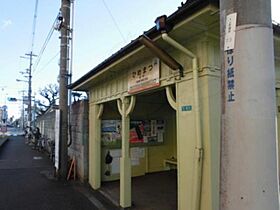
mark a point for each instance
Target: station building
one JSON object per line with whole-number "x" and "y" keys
{"x": 155, "y": 106}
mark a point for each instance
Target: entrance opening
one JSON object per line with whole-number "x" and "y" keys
{"x": 153, "y": 152}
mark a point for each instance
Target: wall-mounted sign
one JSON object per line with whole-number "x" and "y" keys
{"x": 144, "y": 77}
{"x": 230, "y": 31}
{"x": 186, "y": 108}
{"x": 3, "y": 128}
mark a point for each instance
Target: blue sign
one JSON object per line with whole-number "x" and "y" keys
{"x": 186, "y": 108}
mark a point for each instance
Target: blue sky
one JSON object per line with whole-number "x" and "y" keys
{"x": 96, "y": 37}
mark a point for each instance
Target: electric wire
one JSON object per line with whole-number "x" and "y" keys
{"x": 47, "y": 63}
{"x": 44, "y": 46}
{"x": 34, "y": 25}
{"x": 114, "y": 20}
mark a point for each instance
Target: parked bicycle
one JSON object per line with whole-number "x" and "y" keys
{"x": 37, "y": 135}
{"x": 47, "y": 145}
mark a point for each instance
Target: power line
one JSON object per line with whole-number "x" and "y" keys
{"x": 114, "y": 20}
{"x": 47, "y": 63}
{"x": 48, "y": 38}
{"x": 34, "y": 25}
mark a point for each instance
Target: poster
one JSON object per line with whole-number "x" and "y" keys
{"x": 116, "y": 165}
{"x": 136, "y": 134}
{"x": 110, "y": 132}
{"x": 141, "y": 131}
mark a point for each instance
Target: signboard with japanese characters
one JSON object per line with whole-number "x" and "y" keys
{"x": 144, "y": 77}
{"x": 230, "y": 76}
{"x": 230, "y": 31}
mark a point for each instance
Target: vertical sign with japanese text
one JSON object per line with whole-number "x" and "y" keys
{"x": 144, "y": 77}
{"x": 230, "y": 31}
{"x": 229, "y": 42}
{"x": 230, "y": 76}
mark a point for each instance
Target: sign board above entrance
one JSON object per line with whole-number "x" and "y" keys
{"x": 144, "y": 77}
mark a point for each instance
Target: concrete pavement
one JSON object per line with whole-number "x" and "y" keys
{"x": 26, "y": 182}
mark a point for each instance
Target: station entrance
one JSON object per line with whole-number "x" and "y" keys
{"x": 152, "y": 147}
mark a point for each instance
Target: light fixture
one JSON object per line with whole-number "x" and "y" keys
{"x": 19, "y": 80}
{"x": 161, "y": 23}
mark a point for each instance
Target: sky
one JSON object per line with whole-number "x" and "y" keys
{"x": 101, "y": 27}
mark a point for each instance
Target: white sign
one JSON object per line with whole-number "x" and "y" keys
{"x": 57, "y": 128}
{"x": 230, "y": 31}
{"x": 144, "y": 77}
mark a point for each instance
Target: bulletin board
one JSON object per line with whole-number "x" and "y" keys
{"x": 142, "y": 132}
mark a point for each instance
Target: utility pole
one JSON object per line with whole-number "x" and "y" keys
{"x": 63, "y": 91}
{"x": 22, "y": 112}
{"x": 248, "y": 138}
{"x": 29, "y": 87}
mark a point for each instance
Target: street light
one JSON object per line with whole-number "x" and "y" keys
{"x": 20, "y": 80}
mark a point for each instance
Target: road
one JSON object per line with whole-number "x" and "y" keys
{"x": 26, "y": 182}
{"x": 12, "y": 131}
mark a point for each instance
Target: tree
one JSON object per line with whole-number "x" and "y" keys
{"x": 50, "y": 96}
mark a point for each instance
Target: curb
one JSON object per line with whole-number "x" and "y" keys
{"x": 3, "y": 140}
{"x": 96, "y": 198}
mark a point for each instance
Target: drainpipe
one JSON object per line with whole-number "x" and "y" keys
{"x": 199, "y": 146}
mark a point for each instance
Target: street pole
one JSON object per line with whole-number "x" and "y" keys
{"x": 63, "y": 91}
{"x": 29, "y": 119}
{"x": 248, "y": 138}
{"x": 22, "y": 112}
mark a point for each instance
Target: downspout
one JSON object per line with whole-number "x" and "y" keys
{"x": 199, "y": 147}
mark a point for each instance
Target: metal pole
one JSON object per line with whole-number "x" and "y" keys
{"x": 63, "y": 92}
{"x": 248, "y": 138}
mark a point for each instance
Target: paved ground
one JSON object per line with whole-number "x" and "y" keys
{"x": 26, "y": 182}
{"x": 155, "y": 191}
{"x": 12, "y": 131}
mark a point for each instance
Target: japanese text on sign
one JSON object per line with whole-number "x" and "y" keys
{"x": 230, "y": 76}
{"x": 144, "y": 77}
{"x": 230, "y": 31}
